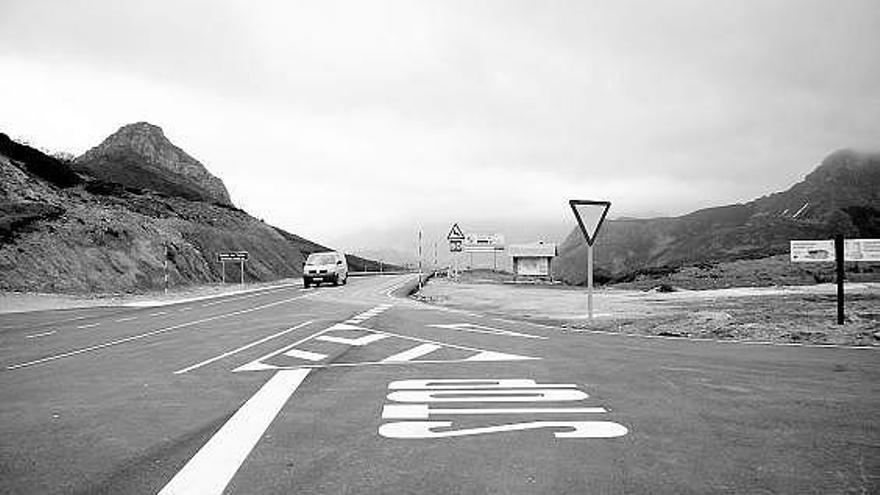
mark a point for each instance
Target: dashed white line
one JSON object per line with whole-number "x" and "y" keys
{"x": 307, "y": 355}
{"x": 91, "y": 325}
{"x": 130, "y": 318}
{"x": 410, "y": 354}
{"x": 36, "y": 335}
{"x": 148, "y": 334}
{"x": 158, "y": 313}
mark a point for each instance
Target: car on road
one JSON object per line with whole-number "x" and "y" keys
{"x": 330, "y": 266}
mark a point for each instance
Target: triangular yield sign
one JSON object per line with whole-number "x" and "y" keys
{"x": 590, "y": 215}
{"x": 398, "y": 349}
{"x": 455, "y": 233}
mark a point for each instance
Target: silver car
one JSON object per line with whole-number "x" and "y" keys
{"x": 330, "y": 266}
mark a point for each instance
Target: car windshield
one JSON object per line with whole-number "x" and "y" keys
{"x": 321, "y": 259}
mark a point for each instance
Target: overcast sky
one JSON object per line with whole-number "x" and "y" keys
{"x": 327, "y": 117}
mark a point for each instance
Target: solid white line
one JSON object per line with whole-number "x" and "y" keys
{"x": 415, "y": 352}
{"x": 214, "y": 465}
{"x": 39, "y": 334}
{"x": 242, "y": 348}
{"x": 254, "y": 294}
{"x": 147, "y": 334}
{"x": 127, "y": 319}
{"x": 309, "y": 356}
{"x": 88, "y": 326}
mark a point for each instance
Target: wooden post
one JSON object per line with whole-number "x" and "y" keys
{"x": 838, "y": 257}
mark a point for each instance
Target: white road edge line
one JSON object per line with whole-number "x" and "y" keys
{"x": 147, "y": 334}
{"x": 242, "y": 348}
{"x": 214, "y": 465}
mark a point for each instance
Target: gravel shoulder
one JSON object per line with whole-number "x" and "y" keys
{"x": 784, "y": 314}
{"x": 20, "y": 302}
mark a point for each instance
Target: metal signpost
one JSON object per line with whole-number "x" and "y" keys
{"x": 455, "y": 238}
{"x": 839, "y": 250}
{"x": 240, "y": 256}
{"x": 590, "y": 215}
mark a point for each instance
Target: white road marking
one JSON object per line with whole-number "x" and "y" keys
{"x": 309, "y": 356}
{"x": 130, "y": 318}
{"x": 148, "y": 334}
{"x": 576, "y": 429}
{"x": 214, "y": 465}
{"x": 516, "y": 395}
{"x": 92, "y": 325}
{"x": 255, "y": 294}
{"x": 242, "y": 348}
{"x": 472, "y": 384}
{"x": 362, "y": 341}
{"x": 470, "y": 327}
{"x": 257, "y": 364}
{"x": 423, "y": 411}
{"x": 36, "y": 335}
{"x": 159, "y": 313}
{"x": 416, "y": 352}
{"x": 181, "y": 310}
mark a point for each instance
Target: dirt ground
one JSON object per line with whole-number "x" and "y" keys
{"x": 790, "y": 314}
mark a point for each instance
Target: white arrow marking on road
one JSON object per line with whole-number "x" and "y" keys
{"x": 211, "y": 469}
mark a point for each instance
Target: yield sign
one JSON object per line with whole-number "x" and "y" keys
{"x": 455, "y": 233}
{"x": 590, "y": 215}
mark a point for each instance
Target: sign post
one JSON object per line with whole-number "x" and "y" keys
{"x": 240, "y": 256}
{"x": 590, "y": 215}
{"x": 455, "y": 238}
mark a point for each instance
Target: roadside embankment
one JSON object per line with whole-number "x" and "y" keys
{"x": 802, "y": 314}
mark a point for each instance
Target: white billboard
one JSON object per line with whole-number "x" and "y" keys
{"x": 853, "y": 250}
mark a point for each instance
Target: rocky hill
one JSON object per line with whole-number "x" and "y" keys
{"x": 84, "y": 229}
{"x": 842, "y": 195}
{"x": 139, "y": 155}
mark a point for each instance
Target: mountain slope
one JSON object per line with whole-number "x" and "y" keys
{"x": 842, "y": 195}
{"x": 60, "y": 232}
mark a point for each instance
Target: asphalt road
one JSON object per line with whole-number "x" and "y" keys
{"x": 351, "y": 390}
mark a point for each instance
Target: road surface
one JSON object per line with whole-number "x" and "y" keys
{"x": 353, "y": 390}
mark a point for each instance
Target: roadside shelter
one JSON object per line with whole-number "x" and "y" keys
{"x": 532, "y": 260}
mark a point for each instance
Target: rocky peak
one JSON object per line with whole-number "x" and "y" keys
{"x": 139, "y": 155}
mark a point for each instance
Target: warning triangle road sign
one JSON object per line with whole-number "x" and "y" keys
{"x": 344, "y": 345}
{"x": 455, "y": 233}
{"x": 590, "y": 215}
